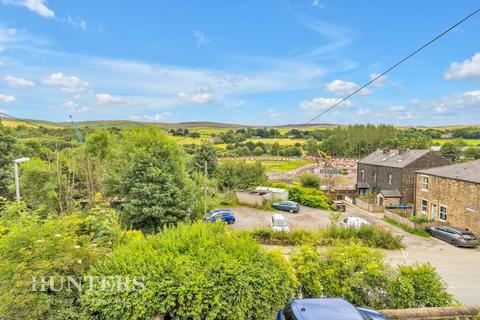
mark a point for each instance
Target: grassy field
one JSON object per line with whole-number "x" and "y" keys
{"x": 283, "y": 166}
{"x": 281, "y": 141}
{"x": 15, "y": 123}
{"x": 468, "y": 142}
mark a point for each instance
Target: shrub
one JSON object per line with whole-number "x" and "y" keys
{"x": 418, "y": 286}
{"x": 309, "y": 197}
{"x": 352, "y": 271}
{"x": 419, "y": 219}
{"x": 421, "y": 233}
{"x": 310, "y": 180}
{"x": 59, "y": 246}
{"x": 236, "y": 175}
{"x": 371, "y": 236}
{"x": 198, "y": 271}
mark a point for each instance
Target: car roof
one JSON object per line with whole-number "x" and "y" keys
{"x": 326, "y": 309}
{"x": 461, "y": 230}
{"x": 278, "y": 216}
{"x": 223, "y": 211}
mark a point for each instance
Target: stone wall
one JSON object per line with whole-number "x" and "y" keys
{"x": 461, "y": 312}
{"x": 430, "y": 160}
{"x": 462, "y": 200}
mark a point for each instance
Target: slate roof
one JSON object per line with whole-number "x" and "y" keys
{"x": 391, "y": 193}
{"x": 363, "y": 185}
{"x": 467, "y": 171}
{"x": 393, "y": 158}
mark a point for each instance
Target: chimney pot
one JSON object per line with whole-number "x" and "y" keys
{"x": 401, "y": 150}
{"x": 386, "y": 150}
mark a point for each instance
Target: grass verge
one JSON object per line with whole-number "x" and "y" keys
{"x": 421, "y": 233}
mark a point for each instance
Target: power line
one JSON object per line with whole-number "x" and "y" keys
{"x": 394, "y": 66}
{"x": 18, "y": 119}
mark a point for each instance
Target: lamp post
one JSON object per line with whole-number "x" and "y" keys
{"x": 17, "y": 183}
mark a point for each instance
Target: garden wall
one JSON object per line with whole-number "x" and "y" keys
{"x": 409, "y": 223}
{"x": 462, "y": 312}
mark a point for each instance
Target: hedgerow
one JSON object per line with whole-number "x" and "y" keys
{"x": 198, "y": 271}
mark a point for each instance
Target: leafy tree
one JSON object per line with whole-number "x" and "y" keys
{"x": 275, "y": 151}
{"x": 258, "y": 151}
{"x": 39, "y": 186}
{"x": 198, "y": 271}
{"x": 472, "y": 153}
{"x": 310, "y": 180}
{"x": 237, "y": 175}
{"x": 208, "y": 153}
{"x": 149, "y": 174}
{"x": 7, "y": 145}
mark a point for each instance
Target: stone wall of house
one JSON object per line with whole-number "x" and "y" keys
{"x": 462, "y": 200}
{"x": 430, "y": 160}
{"x": 382, "y": 176}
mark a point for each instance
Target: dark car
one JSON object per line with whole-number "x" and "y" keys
{"x": 457, "y": 236}
{"x": 327, "y": 309}
{"x": 337, "y": 205}
{"x": 289, "y": 206}
{"x": 225, "y": 215}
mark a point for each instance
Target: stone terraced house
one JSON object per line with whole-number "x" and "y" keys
{"x": 390, "y": 173}
{"x": 450, "y": 194}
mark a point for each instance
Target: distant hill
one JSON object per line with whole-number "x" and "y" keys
{"x": 191, "y": 125}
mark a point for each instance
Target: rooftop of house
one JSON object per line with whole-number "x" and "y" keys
{"x": 467, "y": 171}
{"x": 397, "y": 158}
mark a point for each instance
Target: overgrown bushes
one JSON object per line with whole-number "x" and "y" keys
{"x": 198, "y": 271}
{"x": 309, "y": 197}
{"x": 359, "y": 274}
{"x": 310, "y": 180}
{"x": 369, "y": 235}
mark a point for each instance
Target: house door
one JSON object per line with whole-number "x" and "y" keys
{"x": 434, "y": 212}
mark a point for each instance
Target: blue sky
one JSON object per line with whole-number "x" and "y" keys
{"x": 252, "y": 62}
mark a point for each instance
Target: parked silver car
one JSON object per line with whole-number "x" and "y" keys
{"x": 457, "y": 236}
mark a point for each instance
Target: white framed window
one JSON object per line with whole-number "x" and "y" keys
{"x": 443, "y": 213}
{"x": 425, "y": 181}
{"x": 362, "y": 174}
{"x": 374, "y": 175}
{"x": 390, "y": 178}
{"x": 424, "y": 206}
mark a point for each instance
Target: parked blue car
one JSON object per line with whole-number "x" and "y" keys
{"x": 327, "y": 309}
{"x": 225, "y": 215}
{"x": 289, "y": 206}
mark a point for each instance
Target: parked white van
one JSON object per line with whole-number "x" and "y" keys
{"x": 354, "y": 222}
{"x": 279, "y": 223}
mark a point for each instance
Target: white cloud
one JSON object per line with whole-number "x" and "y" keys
{"x": 105, "y": 98}
{"x": 406, "y": 116}
{"x": 318, "y": 4}
{"x": 76, "y": 22}
{"x": 198, "y": 97}
{"x": 272, "y": 113}
{"x": 380, "y": 81}
{"x": 16, "y": 82}
{"x": 469, "y": 68}
{"x": 344, "y": 88}
{"x": 364, "y": 111}
{"x": 396, "y": 108}
{"x": 65, "y": 83}
{"x": 37, "y": 6}
{"x": 74, "y": 107}
{"x": 8, "y": 35}
{"x": 7, "y": 99}
{"x": 158, "y": 116}
{"x": 135, "y": 117}
{"x": 472, "y": 94}
{"x": 441, "y": 108}
{"x": 319, "y": 104}
{"x": 201, "y": 38}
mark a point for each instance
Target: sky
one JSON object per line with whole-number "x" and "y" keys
{"x": 263, "y": 62}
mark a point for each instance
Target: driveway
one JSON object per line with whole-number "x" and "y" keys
{"x": 459, "y": 268}
{"x": 306, "y": 218}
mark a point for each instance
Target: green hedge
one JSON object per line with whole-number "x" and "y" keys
{"x": 360, "y": 275}
{"x": 198, "y": 271}
{"x": 372, "y": 236}
{"x": 309, "y": 197}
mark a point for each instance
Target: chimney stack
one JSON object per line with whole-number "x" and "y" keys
{"x": 386, "y": 150}
{"x": 401, "y": 150}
